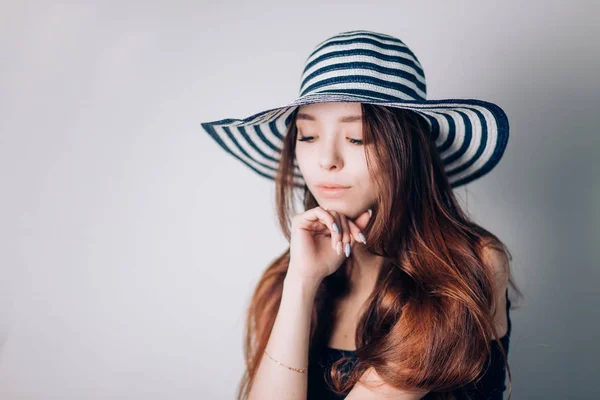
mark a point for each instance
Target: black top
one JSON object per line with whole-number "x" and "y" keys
{"x": 490, "y": 387}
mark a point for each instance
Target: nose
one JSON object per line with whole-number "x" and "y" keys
{"x": 329, "y": 155}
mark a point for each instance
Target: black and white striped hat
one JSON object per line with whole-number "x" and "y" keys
{"x": 375, "y": 68}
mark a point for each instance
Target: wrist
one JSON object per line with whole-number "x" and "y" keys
{"x": 304, "y": 285}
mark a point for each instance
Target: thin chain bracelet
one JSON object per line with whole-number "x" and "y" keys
{"x": 292, "y": 368}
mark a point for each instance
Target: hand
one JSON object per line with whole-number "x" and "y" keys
{"x": 318, "y": 247}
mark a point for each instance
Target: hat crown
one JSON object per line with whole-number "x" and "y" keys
{"x": 366, "y": 64}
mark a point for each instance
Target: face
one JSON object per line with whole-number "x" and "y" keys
{"x": 330, "y": 152}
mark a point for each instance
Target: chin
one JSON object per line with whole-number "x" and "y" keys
{"x": 347, "y": 207}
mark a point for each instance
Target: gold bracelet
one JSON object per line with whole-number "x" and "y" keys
{"x": 292, "y": 368}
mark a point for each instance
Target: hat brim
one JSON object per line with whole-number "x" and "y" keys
{"x": 470, "y": 135}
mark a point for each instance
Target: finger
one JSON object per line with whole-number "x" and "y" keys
{"x": 331, "y": 221}
{"x": 346, "y": 235}
{"x": 317, "y": 214}
{"x": 336, "y": 239}
{"x": 363, "y": 219}
{"x": 356, "y": 232}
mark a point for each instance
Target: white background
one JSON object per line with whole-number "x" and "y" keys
{"x": 130, "y": 243}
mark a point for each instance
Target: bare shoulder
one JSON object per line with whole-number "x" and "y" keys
{"x": 495, "y": 257}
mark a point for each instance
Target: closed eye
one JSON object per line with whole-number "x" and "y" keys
{"x": 357, "y": 142}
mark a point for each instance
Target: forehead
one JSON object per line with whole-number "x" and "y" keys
{"x": 330, "y": 111}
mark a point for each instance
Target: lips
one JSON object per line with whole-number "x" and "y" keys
{"x": 331, "y": 186}
{"x": 332, "y": 191}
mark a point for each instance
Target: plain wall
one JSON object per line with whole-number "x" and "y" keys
{"x": 130, "y": 243}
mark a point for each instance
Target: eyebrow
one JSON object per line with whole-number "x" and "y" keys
{"x": 347, "y": 118}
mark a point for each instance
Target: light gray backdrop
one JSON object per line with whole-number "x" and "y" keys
{"x": 130, "y": 243}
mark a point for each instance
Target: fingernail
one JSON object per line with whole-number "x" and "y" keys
{"x": 347, "y": 250}
{"x": 335, "y": 228}
{"x": 362, "y": 237}
{"x": 338, "y": 248}
{"x": 370, "y": 212}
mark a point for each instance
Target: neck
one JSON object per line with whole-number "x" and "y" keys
{"x": 364, "y": 268}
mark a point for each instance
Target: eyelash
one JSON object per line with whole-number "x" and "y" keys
{"x": 358, "y": 142}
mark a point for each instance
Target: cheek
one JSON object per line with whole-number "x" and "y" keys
{"x": 305, "y": 162}
{"x": 361, "y": 170}
{"x": 367, "y": 181}
{"x": 366, "y": 184}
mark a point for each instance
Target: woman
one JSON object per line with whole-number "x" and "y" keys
{"x": 387, "y": 290}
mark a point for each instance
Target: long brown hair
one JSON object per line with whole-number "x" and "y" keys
{"x": 434, "y": 269}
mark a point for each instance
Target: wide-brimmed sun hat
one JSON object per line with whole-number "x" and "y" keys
{"x": 375, "y": 68}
